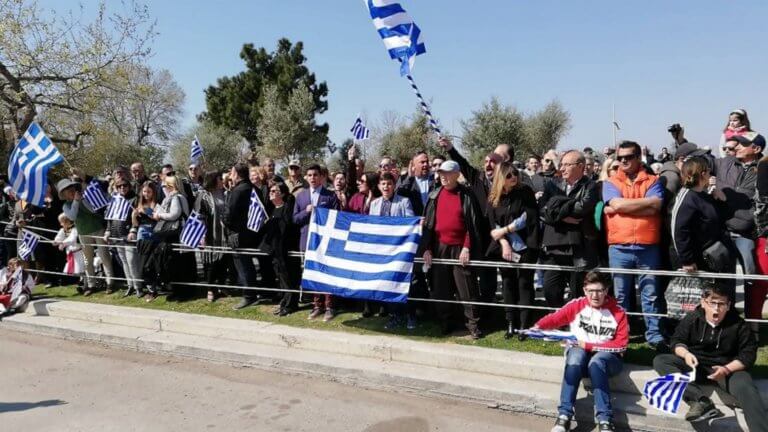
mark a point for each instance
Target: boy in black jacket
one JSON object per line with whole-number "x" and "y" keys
{"x": 718, "y": 343}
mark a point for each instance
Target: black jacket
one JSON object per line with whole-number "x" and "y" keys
{"x": 476, "y": 179}
{"x": 696, "y": 223}
{"x": 738, "y": 182}
{"x": 236, "y": 216}
{"x": 409, "y": 188}
{"x": 578, "y": 240}
{"x": 511, "y": 206}
{"x": 472, "y": 216}
{"x": 731, "y": 339}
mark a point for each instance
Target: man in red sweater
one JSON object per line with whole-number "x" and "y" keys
{"x": 450, "y": 231}
{"x": 601, "y": 330}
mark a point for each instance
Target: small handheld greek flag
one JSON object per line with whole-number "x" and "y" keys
{"x": 118, "y": 209}
{"x": 400, "y": 35}
{"x": 665, "y": 393}
{"x": 29, "y": 164}
{"x": 257, "y": 214}
{"x": 197, "y": 150}
{"x": 549, "y": 335}
{"x": 28, "y": 244}
{"x": 359, "y": 131}
{"x": 95, "y": 196}
{"x": 194, "y": 231}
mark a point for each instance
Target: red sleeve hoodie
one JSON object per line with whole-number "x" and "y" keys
{"x": 602, "y": 329}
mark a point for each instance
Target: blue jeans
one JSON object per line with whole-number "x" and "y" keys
{"x": 246, "y": 275}
{"x": 599, "y": 367}
{"x": 646, "y": 257}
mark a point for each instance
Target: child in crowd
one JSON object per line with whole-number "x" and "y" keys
{"x": 601, "y": 329}
{"x": 738, "y": 124}
{"x": 66, "y": 240}
{"x": 15, "y": 287}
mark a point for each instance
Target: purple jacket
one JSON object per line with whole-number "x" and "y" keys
{"x": 327, "y": 199}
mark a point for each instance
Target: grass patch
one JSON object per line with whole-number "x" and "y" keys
{"x": 637, "y": 352}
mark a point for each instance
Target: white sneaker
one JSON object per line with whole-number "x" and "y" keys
{"x": 562, "y": 424}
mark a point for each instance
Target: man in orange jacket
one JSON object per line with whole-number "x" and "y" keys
{"x": 633, "y": 199}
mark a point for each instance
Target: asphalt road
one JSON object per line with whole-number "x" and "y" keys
{"x": 49, "y": 384}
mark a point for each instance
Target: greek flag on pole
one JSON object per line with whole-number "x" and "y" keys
{"x": 95, "y": 196}
{"x": 549, "y": 335}
{"x": 28, "y": 244}
{"x": 401, "y": 36}
{"x": 257, "y": 214}
{"x": 665, "y": 393}
{"x": 118, "y": 209}
{"x": 29, "y": 164}
{"x": 360, "y": 256}
{"x": 197, "y": 150}
{"x": 359, "y": 131}
{"x": 194, "y": 231}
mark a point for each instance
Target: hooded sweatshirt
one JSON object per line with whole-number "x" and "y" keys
{"x": 718, "y": 345}
{"x": 602, "y": 329}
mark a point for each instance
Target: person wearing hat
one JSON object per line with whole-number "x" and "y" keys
{"x": 736, "y": 177}
{"x": 479, "y": 182}
{"x": 294, "y": 181}
{"x": 455, "y": 234}
{"x": 90, "y": 227}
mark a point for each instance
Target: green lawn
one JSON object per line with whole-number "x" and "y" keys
{"x": 638, "y": 352}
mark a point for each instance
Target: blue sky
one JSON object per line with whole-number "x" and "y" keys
{"x": 660, "y": 62}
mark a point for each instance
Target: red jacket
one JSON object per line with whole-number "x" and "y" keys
{"x": 603, "y": 329}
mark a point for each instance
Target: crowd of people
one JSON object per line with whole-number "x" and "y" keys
{"x": 690, "y": 208}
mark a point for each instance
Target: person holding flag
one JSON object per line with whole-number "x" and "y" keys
{"x": 718, "y": 344}
{"x": 602, "y": 333}
{"x": 118, "y": 219}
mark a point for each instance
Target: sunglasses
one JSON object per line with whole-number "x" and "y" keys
{"x": 548, "y": 160}
{"x": 509, "y": 176}
{"x": 626, "y": 158}
{"x": 729, "y": 148}
{"x": 614, "y": 168}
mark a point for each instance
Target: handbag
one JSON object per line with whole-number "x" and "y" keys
{"x": 718, "y": 257}
{"x": 683, "y": 295}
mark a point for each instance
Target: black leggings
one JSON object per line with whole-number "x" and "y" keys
{"x": 517, "y": 289}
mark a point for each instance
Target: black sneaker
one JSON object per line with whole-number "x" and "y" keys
{"x": 562, "y": 424}
{"x": 605, "y": 426}
{"x": 702, "y": 410}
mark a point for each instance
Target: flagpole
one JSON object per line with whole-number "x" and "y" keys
{"x": 424, "y": 106}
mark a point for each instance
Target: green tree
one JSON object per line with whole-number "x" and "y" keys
{"x": 495, "y": 123}
{"x": 221, "y": 147}
{"x": 236, "y": 102}
{"x": 288, "y": 129}
{"x": 400, "y": 138}
{"x": 338, "y": 160}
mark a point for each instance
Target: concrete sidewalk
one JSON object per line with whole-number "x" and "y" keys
{"x": 521, "y": 382}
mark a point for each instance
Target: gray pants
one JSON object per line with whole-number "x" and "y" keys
{"x": 94, "y": 242}
{"x": 129, "y": 257}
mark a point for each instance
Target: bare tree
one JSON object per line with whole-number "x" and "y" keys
{"x": 63, "y": 67}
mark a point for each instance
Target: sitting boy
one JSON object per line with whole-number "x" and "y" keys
{"x": 601, "y": 329}
{"x": 719, "y": 344}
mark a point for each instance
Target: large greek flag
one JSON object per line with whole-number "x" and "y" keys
{"x": 401, "y": 36}
{"x": 359, "y": 256}
{"x": 665, "y": 393}
{"x": 29, "y": 164}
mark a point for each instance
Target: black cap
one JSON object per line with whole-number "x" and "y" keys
{"x": 685, "y": 149}
{"x": 749, "y": 138}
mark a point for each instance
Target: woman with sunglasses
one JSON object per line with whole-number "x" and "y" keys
{"x": 367, "y": 191}
{"x": 513, "y": 212}
{"x": 281, "y": 236}
{"x": 118, "y": 230}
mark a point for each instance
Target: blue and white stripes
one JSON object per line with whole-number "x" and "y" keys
{"x": 28, "y": 244}
{"x": 197, "y": 151}
{"x": 29, "y": 164}
{"x": 665, "y": 393}
{"x": 359, "y": 256}
{"x": 401, "y": 36}
{"x": 359, "y": 131}
{"x": 95, "y": 196}
{"x": 194, "y": 231}
{"x": 118, "y": 209}
{"x": 257, "y": 214}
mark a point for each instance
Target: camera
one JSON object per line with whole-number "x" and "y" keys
{"x": 675, "y": 128}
